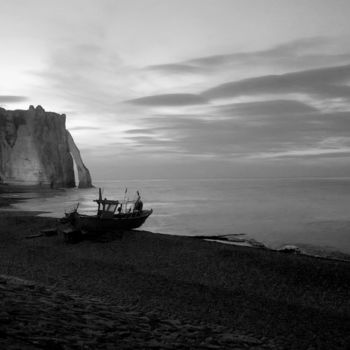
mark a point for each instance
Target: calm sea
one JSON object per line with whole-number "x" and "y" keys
{"x": 307, "y": 212}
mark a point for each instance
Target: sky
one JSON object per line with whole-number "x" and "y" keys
{"x": 187, "y": 88}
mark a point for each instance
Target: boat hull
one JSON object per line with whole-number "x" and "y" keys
{"x": 116, "y": 223}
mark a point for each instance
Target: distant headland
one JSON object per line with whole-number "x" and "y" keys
{"x": 37, "y": 149}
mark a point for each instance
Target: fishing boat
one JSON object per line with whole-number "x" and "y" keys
{"x": 112, "y": 216}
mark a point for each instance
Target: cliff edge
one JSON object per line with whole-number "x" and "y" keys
{"x": 36, "y": 149}
{"x": 83, "y": 171}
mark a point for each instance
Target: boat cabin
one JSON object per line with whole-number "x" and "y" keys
{"x": 106, "y": 207}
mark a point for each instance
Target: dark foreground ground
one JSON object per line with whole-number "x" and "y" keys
{"x": 164, "y": 292}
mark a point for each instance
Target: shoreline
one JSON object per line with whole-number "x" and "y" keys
{"x": 293, "y": 301}
{"x": 287, "y": 249}
{"x": 232, "y": 239}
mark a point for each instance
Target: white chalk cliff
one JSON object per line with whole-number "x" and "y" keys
{"x": 36, "y": 149}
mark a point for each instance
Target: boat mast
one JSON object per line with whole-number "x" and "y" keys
{"x": 99, "y": 198}
{"x": 124, "y": 200}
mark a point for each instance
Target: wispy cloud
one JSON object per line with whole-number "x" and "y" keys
{"x": 87, "y": 77}
{"x": 298, "y": 54}
{"x": 12, "y": 98}
{"x": 175, "y": 68}
{"x": 139, "y": 131}
{"x": 310, "y": 153}
{"x": 266, "y": 129}
{"x": 261, "y": 117}
{"x": 82, "y": 128}
{"x": 169, "y": 100}
{"x": 330, "y": 82}
{"x": 263, "y": 108}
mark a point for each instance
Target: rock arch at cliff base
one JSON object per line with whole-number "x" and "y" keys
{"x": 83, "y": 172}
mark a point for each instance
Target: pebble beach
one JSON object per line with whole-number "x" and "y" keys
{"x": 155, "y": 291}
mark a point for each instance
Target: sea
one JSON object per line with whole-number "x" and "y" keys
{"x": 312, "y": 214}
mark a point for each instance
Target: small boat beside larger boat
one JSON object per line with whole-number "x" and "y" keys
{"x": 112, "y": 216}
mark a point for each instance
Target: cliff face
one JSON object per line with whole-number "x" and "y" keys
{"x": 83, "y": 171}
{"x": 34, "y": 149}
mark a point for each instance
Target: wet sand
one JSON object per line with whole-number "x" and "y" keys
{"x": 223, "y": 294}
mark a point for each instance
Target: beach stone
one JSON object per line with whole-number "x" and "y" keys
{"x": 59, "y": 319}
{"x": 4, "y": 317}
{"x": 173, "y": 323}
{"x": 124, "y": 334}
{"x": 154, "y": 344}
{"x": 248, "y": 340}
{"x": 212, "y": 346}
{"x": 227, "y": 337}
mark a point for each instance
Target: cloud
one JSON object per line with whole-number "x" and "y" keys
{"x": 139, "y": 131}
{"x": 11, "y": 98}
{"x": 87, "y": 77}
{"x": 312, "y": 153}
{"x": 280, "y": 130}
{"x": 79, "y": 128}
{"x": 175, "y": 68}
{"x": 323, "y": 83}
{"x": 194, "y": 124}
{"x": 261, "y": 108}
{"x": 297, "y": 54}
{"x": 169, "y": 100}
{"x": 290, "y": 49}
